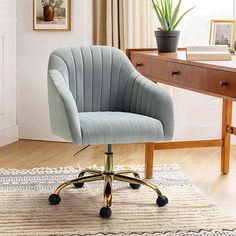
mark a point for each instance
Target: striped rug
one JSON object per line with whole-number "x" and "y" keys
{"x": 24, "y": 208}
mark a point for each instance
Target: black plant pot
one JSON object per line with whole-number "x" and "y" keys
{"x": 167, "y": 41}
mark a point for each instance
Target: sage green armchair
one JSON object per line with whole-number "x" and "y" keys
{"x": 96, "y": 96}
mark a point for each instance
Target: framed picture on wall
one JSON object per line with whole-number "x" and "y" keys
{"x": 51, "y": 15}
{"x": 223, "y": 33}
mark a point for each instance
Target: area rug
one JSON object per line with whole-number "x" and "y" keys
{"x": 24, "y": 208}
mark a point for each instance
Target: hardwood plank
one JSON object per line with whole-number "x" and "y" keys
{"x": 199, "y": 164}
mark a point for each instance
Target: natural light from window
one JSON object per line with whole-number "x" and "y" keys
{"x": 195, "y": 27}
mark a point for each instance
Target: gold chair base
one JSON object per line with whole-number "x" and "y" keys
{"x": 108, "y": 175}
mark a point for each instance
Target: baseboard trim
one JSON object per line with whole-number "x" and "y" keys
{"x": 8, "y": 135}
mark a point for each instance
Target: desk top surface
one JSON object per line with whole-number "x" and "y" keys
{"x": 180, "y": 57}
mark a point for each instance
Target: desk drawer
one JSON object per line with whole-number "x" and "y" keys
{"x": 222, "y": 82}
{"x": 175, "y": 73}
{"x": 182, "y": 75}
{"x": 142, "y": 64}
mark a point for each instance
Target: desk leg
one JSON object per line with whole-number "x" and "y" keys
{"x": 226, "y": 136}
{"x": 149, "y": 154}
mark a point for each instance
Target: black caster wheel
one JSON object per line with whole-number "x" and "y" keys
{"x": 105, "y": 212}
{"x": 54, "y": 199}
{"x": 162, "y": 201}
{"x": 135, "y": 186}
{"x": 79, "y": 185}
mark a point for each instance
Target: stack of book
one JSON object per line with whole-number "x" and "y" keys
{"x": 208, "y": 53}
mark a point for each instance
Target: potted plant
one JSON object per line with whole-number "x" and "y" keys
{"x": 48, "y": 8}
{"x": 166, "y": 36}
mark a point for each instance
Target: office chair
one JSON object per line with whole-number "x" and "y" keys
{"x": 96, "y": 96}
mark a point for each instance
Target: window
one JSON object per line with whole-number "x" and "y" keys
{"x": 195, "y": 27}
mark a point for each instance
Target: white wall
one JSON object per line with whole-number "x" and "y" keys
{"x": 33, "y": 50}
{"x": 198, "y": 116}
{"x": 8, "y": 127}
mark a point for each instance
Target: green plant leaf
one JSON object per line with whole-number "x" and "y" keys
{"x": 157, "y": 12}
{"x": 162, "y": 8}
{"x": 160, "y": 15}
{"x": 169, "y": 6}
{"x": 167, "y": 14}
{"x": 181, "y": 17}
{"x": 155, "y": 6}
{"x": 175, "y": 14}
{"x": 165, "y": 26}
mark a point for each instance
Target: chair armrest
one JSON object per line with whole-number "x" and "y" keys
{"x": 64, "y": 117}
{"x": 144, "y": 97}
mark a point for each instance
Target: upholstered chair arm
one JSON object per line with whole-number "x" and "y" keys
{"x": 147, "y": 98}
{"x": 63, "y": 110}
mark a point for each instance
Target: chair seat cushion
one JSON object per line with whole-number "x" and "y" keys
{"x": 119, "y": 127}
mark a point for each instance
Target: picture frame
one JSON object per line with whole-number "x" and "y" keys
{"x": 222, "y": 32}
{"x": 51, "y": 15}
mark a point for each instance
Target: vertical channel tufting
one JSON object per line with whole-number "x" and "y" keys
{"x": 117, "y": 63}
{"x": 71, "y": 68}
{"x": 139, "y": 96}
{"x": 106, "y": 68}
{"x": 116, "y": 97}
{"x": 110, "y": 79}
{"x": 75, "y": 76}
{"x": 82, "y": 79}
{"x": 57, "y": 63}
{"x": 134, "y": 97}
{"x": 92, "y": 78}
{"x": 100, "y": 101}
{"x": 148, "y": 102}
{"x": 86, "y": 52}
{"x": 144, "y": 99}
{"x": 66, "y": 56}
{"x": 79, "y": 77}
{"x": 126, "y": 74}
{"x": 121, "y": 89}
{"x": 129, "y": 91}
{"x": 97, "y": 77}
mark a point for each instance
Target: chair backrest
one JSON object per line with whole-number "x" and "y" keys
{"x": 96, "y": 76}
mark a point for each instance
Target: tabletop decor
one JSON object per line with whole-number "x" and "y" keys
{"x": 51, "y": 15}
{"x": 223, "y": 33}
{"x": 167, "y": 36}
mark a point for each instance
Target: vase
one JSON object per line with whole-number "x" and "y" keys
{"x": 167, "y": 41}
{"x": 48, "y": 13}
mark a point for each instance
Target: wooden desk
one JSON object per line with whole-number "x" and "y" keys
{"x": 212, "y": 78}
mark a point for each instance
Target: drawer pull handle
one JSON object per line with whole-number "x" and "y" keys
{"x": 139, "y": 65}
{"x": 174, "y": 72}
{"x": 223, "y": 83}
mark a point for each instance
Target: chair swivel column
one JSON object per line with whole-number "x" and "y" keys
{"x": 108, "y": 174}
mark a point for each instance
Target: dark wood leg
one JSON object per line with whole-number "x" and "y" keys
{"x": 226, "y": 136}
{"x": 149, "y": 154}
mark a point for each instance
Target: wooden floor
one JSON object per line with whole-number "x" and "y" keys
{"x": 202, "y": 166}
